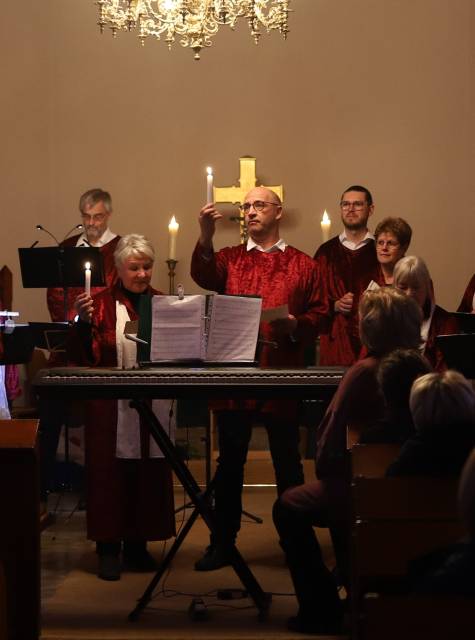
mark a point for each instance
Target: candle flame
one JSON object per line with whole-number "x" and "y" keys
{"x": 173, "y": 224}
{"x": 88, "y": 265}
{"x": 325, "y": 217}
{"x": 209, "y": 171}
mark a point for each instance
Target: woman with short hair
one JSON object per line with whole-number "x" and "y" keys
{"x": 392, "y": 238}
{"x": 129, "y": 484}
{"x": 411, "y": 276}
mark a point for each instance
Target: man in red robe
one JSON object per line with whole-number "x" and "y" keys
{"x": 280, "y": 274}
{"x": 347, "y": 263}
{"x": 467, "y": 304}
{"x": 95, "y": 206}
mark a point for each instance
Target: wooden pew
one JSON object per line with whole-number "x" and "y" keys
{"x": 372, "y": 460}
{"x": 19, "y": 532}
{"x": 396, "y": 520}
{"x": 417, "y": 617}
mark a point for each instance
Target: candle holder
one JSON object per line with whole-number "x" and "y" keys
{"x": 171, "y": 275}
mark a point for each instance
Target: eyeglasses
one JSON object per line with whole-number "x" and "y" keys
{"x": 95, "y": 217}
{"x": 387, "y": 243}
{"x": 358, "y": 204}
{"x": 259, "y": 205}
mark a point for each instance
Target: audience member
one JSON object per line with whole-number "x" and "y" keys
{"x": 443, "y": 410}
{"x": 388, "y": 320}
{"x": 411, "y": 276}
{"x": 396, "y": 373}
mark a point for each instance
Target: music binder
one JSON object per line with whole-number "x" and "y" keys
{"x": 214, "y": 329}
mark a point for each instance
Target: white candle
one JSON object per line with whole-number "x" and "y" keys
{"x": 209, "y": 185}
{"x": 325, "y": 224}
{"x": 87, "y": 279}
{"x": 173, "y": 232}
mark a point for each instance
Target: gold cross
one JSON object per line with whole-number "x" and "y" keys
{"x": 235, "y": 195}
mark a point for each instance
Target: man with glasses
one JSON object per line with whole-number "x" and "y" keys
{"x": 347, "y": 263}
{"x": 95, "y": 206}
{"x": 281, "y": 275}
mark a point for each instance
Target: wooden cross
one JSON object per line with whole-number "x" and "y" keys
{"x": 235, "y": 195}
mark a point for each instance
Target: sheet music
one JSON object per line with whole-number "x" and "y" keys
{"x": 275, "y": 313}
{"x": 234, "y": 327}
{"x": 178, "y": 328}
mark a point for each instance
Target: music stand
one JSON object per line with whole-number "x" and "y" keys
{"x": 459, "y": 352}
{"x": 50, "y": 336}
{"x": 62, "y": 267}
{"x": 17, "y": 346}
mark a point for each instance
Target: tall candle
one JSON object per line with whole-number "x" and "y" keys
{"x": 87, "y": 278}
{"x": 326, "y": 225}
{"x": 173, "y": 232}
{"x": 209, "y": 185}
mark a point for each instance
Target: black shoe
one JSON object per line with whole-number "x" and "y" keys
{"x": 140, "y": 561}
{"x": 215, "y": 557}
{"x": 315, "y": 626}
{"x": 109, "y": 567}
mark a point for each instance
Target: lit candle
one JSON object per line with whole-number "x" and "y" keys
{"x": 87, "y": 280}
{"x": 325, "y": 224}
{"x": 173, "y": 232}
{"x": 209, "y": 185}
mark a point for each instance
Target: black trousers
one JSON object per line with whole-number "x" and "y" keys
{"x": 315, "y": 586}
{"x": 234, "y": 434}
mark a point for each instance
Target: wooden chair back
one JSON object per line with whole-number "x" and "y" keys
{"x": 372, "y": 460}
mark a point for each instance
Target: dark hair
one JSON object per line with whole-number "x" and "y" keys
{"x": 396, "y": 373}
{"x": 92, "y": 197}
{"x": 398, "y": 227}
{"x": 357, "y": 187}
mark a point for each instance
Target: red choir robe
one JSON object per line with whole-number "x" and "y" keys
{"x": 442, "y": 323}
{"x": 55, "y": 296}
{"x": 279, "y": 277}
{"x": 126, "y": 499}
{"x": 466, "y": 305}
{"x": 343, "y": 270}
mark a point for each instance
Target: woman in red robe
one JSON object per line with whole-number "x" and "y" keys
{"x": 392, "y": 237}
{"x": 129, "y": 484}
{"x": 412, "y": 277}
{"x": 467, "y": 304}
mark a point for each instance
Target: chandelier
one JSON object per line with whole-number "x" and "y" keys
{"x": 193, "y": 22}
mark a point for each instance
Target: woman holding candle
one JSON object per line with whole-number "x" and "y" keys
{"x": 412, "y": 277}
{"x": 129, "y": 484}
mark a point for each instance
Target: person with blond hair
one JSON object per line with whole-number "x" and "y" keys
{"x": 388, "y": 320}
{"x": 392, "y": 237}
{"x": 129, "y": 483}
{"x": 443, "y": 411}
{"x": 412, "y": 277}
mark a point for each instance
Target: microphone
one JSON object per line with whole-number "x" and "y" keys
{"x": 34, "y": 244}
{"x": 41, "y": 228}
{"x": 76, "y": 226}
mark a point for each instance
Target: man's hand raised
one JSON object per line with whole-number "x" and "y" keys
{"x": 207, "y": 219}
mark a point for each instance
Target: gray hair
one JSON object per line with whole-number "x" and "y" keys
{"x": 92, "y": 197}
{"x": 133, "y": 245}
{"x": 414, "y": 272}
{"x": 442, "y": 399}
{"x": 389, "y": 320}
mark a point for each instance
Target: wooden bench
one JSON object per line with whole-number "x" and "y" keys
{"x": 372, "y": 460}
{"x": 396, "y": 520}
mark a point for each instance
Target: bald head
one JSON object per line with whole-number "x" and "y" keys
{"x": 262, "y": 210}
{"x": 263, "y": 193}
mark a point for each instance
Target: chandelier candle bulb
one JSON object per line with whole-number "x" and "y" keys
{"x": 326, "y": 225}
{"x": 209, "y": 185}
{"x": 87, "y": 278}
{"x": 173, "y": 232}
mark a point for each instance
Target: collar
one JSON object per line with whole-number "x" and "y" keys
{"x": 106, "y": 237}
{"x": 349, "y": 244}
{"x": 280, "y": 245}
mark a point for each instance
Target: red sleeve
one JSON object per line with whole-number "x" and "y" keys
{"x": 466, "y": 304}
{"x": 209, "y": 273}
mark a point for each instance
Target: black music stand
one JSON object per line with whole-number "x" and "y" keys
{"x": 17, "y": 346}
{"x": 459, "y": 352}
{"x": 63, "y": 267}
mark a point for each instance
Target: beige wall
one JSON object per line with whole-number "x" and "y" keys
{"x": 378, "y": 92}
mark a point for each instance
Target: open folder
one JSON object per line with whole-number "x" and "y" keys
{"x": 215, "y": 328}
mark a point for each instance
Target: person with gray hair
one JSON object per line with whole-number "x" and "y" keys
{"x": 95, "y": 207}
{"x": 443, "y": 411}
{"x": 388, "y": 320}
{"x": 129, "y": 484}
{"x": 412, "y": 277}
